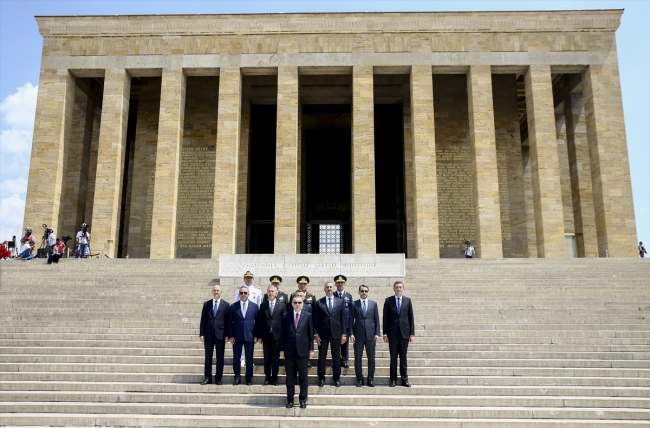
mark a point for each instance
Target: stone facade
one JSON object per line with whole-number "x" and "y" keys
{"x": 512, "y": 131}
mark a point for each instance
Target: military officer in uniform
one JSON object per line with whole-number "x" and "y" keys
{"x": 309, "y": 299}
{"x": 340, "y": 292}
{"x": 281, "y": 297}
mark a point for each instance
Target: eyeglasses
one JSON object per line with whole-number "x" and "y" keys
{"x": 363, "y": 291}
{"x": 243, "y": 292}
{"x": 297, "y": 303}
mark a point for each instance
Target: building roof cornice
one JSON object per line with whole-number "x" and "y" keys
{"x": 330, "y": 23}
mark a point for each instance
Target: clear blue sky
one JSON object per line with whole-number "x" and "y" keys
{"x": 20, "y": 53}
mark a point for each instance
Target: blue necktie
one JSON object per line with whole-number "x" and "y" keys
{"x": 399, "y": 306}
{"x": 214, "y": 309}
{"x": 364, "y": 307}
{"x": 330, "y": 303}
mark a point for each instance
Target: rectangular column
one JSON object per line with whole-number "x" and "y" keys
{"x": 286, "y": 163}
{"x": 610, "y": 168}
{"x": 364, "y": 224}
{"x": 110, "y": 161}
{"x": 168, "y": 158}
{"x": 52, "y": 126}
{"x": 424, "y": 163}
{"x": 487, "y": 209}
{"x": 226, "y": 168}
{"x": 547, "y": 197}
{"x": 242, "y": 183}
{"x": 580, "y": 172}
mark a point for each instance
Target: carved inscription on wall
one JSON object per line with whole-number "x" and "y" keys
{"x": 502, "y": 169}
{"x": 455, "y": 198}
{"x": 195, "y": 202}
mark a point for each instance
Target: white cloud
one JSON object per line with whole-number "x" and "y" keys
{"x": 12, "y": 210}
{"x": 17, "y": 120}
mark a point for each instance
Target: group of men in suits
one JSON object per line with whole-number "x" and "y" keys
{"x": 287, "y": 327}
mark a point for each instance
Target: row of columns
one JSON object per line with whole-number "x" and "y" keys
{"x": 605, "y": 133}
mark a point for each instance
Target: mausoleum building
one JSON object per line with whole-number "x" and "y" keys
{"x": 194, "y": 136}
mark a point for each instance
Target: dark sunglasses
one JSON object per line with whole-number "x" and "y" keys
{"x": 363, "y": 291}
{"x": 297, "y": 303}
{"x": 243, "y": 292}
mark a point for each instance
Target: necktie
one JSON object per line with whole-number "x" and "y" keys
{"x": 330, "y": 303}
{"x": 399, "y": 305}
{"x": 272, "y": 304}
{"x": 296, "y": 321}
{"x": 214, "y": 309}
{"x": 243, "y": 311}
{"x": 364, "y": 307}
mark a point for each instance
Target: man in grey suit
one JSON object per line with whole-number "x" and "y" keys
{"x": 364, "y": 331}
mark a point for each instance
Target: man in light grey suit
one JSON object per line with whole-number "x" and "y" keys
{"x": 364, "y": 331}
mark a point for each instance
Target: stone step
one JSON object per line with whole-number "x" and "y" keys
{"x": 421, "y": 390}
{"x": 296, "y": 418}
{"x": 347, "y": 379}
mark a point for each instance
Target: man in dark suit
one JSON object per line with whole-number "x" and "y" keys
{"x": 329, "y": 329}
{"x": 340, "y": 292}
{"x": 213, "y": 332}
{"x": 399, "y": 331}
{"x": 268, "y": 326}
{"x": 241, "y": 325}
{"x": 364, "y": 332}
{"x": 296, "y": 346}
{"x": 276, "y": 280}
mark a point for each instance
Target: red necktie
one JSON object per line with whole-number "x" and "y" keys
{"x": 295, "y": 323}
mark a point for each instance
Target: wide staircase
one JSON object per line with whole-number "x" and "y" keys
{"x": 499, "y": 343}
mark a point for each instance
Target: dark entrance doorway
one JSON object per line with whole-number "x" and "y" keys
{"x": 389, "y": 179}
{"x": 326, "y": 179}
{"x": 261, "y": 180}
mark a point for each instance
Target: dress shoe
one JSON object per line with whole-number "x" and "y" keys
{"x": 321, "y": 383}
{"x": 337, "y": 383}
{"x": 371, "y": 383}
{"x": 249, "y": 383}
{"x": 344, "y": 365}
{"x": 206, "y": 381}
{"x": 406, "y": 383}
{"x": 236, "y": 382}
{"x": 276, "y": 383}
{"x": 392, "y": 384}
{"x": 308, "y": 364}
{"x": 266, "y": 382}
{"x": 359, "y": 384}
{"x": 303, "y": 404}
{"x": 217, "y": 382}
{"x": 289, "y": 405}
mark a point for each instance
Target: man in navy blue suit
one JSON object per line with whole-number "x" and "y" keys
{"x": 269, "y": 326}
{"x": 399, "y": 331}
{"x": 364, "y": 332}
{"x": 213, "y": 332}
{"x": 347, "y": 303}
{"x": 330, "y": 329}
{"x": 296, "y": 346}
{"x": 241, "y": 326}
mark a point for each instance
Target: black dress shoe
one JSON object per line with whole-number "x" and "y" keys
{"x": 289, "y": 405}
{"x": 266, "y": 382}
{"x": 308, "y": 364}
{"x": 392, "y": 384}
{"x": 276, "y": 383}
{"x": 321, "y": 383}
{"x": 371, "y": 383}
{"x": 345, "y": 365}
{"x": 406, "y": 383}
{"x": 217, "y": 382}
{"x": 206, "y": 381}
{"x": 236, "y": 382}
{"x": 359, "y": 384}
{"x": 249, "y": 383}
{"x": 337, "y": 383}
{"x": 303, "y": 404}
